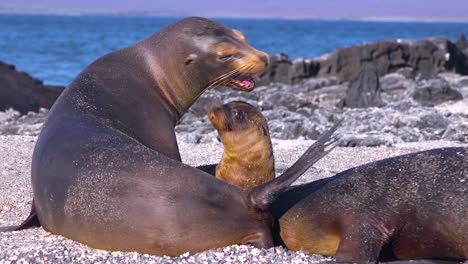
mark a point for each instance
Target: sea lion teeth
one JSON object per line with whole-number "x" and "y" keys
{"x": 246, "y": 82}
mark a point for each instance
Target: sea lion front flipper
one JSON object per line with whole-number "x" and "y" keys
{"x": 361, "y": 241}
{"x": 31, "y": 221}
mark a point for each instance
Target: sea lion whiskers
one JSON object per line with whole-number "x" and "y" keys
{"x": 216, "y": 81}
{"x": 222, "y": 79}
{"x": 244, "y": 80}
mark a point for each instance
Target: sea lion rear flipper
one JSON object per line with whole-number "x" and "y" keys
{"x": 31, "y": 221}
{"x": 264, "y": 195}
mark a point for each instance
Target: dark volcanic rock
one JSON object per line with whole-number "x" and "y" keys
{"x": 393, "y": 81}
{"x": 424, "y": 58}
{"x": 317, "y": 83}
{"x": 308, "y": 107}
{"x": 279, "y": 70}
{"x": 304, "y": 68}
{"x": 364, "y": 90}
{"x": 345, "y": 63}
{"x": 457, "y": 82}
{"x": 203, "y": 104}
{"x": 290, "y": 101}
{"x": 427, "y": 57}
{"x": 435, "y": 91}
{"x": 23, "y": 93}
{"x": 454, "y": 58}
{"x": 461, "y": 43}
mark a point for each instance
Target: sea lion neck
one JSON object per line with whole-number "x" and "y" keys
{"x": 252, "y": 146}
{"x": 177, "y": 86}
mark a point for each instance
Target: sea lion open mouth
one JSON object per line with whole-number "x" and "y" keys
{"x": 242, "y": 82}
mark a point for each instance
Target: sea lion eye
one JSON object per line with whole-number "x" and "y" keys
{"x": 226, "y": 57}
{"x": 237, "y": 113}
{"x": 190, "y": 58}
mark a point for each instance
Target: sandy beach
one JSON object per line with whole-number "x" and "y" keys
{"x": 37, "y": 245}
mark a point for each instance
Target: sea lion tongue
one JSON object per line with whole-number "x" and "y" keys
{"x": 243, "y": 82}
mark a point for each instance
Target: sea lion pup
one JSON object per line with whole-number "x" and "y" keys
{"x": 106, "y": 168}
{"x": 248, "y": 155}
{"x": 412, "y": 206}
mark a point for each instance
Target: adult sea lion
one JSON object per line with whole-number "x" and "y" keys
{"x": 412, "y": 206}
{"x": 106, "y": 168}
{"x": 247, "y": 159}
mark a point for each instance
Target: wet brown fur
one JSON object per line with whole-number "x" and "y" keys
{"x": 408, "y": 207}
{"x": 247, "y": 159}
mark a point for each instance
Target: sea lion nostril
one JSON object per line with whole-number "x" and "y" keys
{"x": 265, "y": 58}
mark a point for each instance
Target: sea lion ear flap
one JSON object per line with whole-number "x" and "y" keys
{"x": 265, "y": 130}
{"x": 239, "y": 34}
{"x": 190, "y": 58}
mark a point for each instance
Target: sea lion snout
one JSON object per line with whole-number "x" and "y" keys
{"x": 242, "y": 62}
{"x": 217, "y": 117}
{"x": 263, "y": 57}
{"x": 257, "y": 60}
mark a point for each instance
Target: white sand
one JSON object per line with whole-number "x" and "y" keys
{"x": 38, "y": 245}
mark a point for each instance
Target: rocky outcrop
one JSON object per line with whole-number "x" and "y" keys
{"x": 415, "y": 102}
{"x": 13, "y": 123}
{"x": 306, "y": 109}
{"x": 435, "y": 91}
{"x": 279, "y": 70}
{"x": 425, "y": 57}
{"x": 304, "y": 69}
{"x": 20, "y": 91}
{"x": 364, "y": 90}
{"x": 461, "y": 42}
{"x": 346, "y": 62}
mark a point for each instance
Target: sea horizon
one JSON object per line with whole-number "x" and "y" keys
{"x": 5, "y": 10}
{"x": 56, "y": 47}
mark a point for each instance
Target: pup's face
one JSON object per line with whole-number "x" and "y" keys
{"x": 235, "y": 117}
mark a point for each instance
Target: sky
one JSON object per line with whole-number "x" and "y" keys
{"x": 322, "y": 9}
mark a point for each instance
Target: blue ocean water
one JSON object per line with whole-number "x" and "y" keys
{"x": 56, "y": 48}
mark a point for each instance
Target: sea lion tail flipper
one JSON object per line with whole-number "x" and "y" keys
{"x": 31, "y": 221}
{"x": 264, "y": 195}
